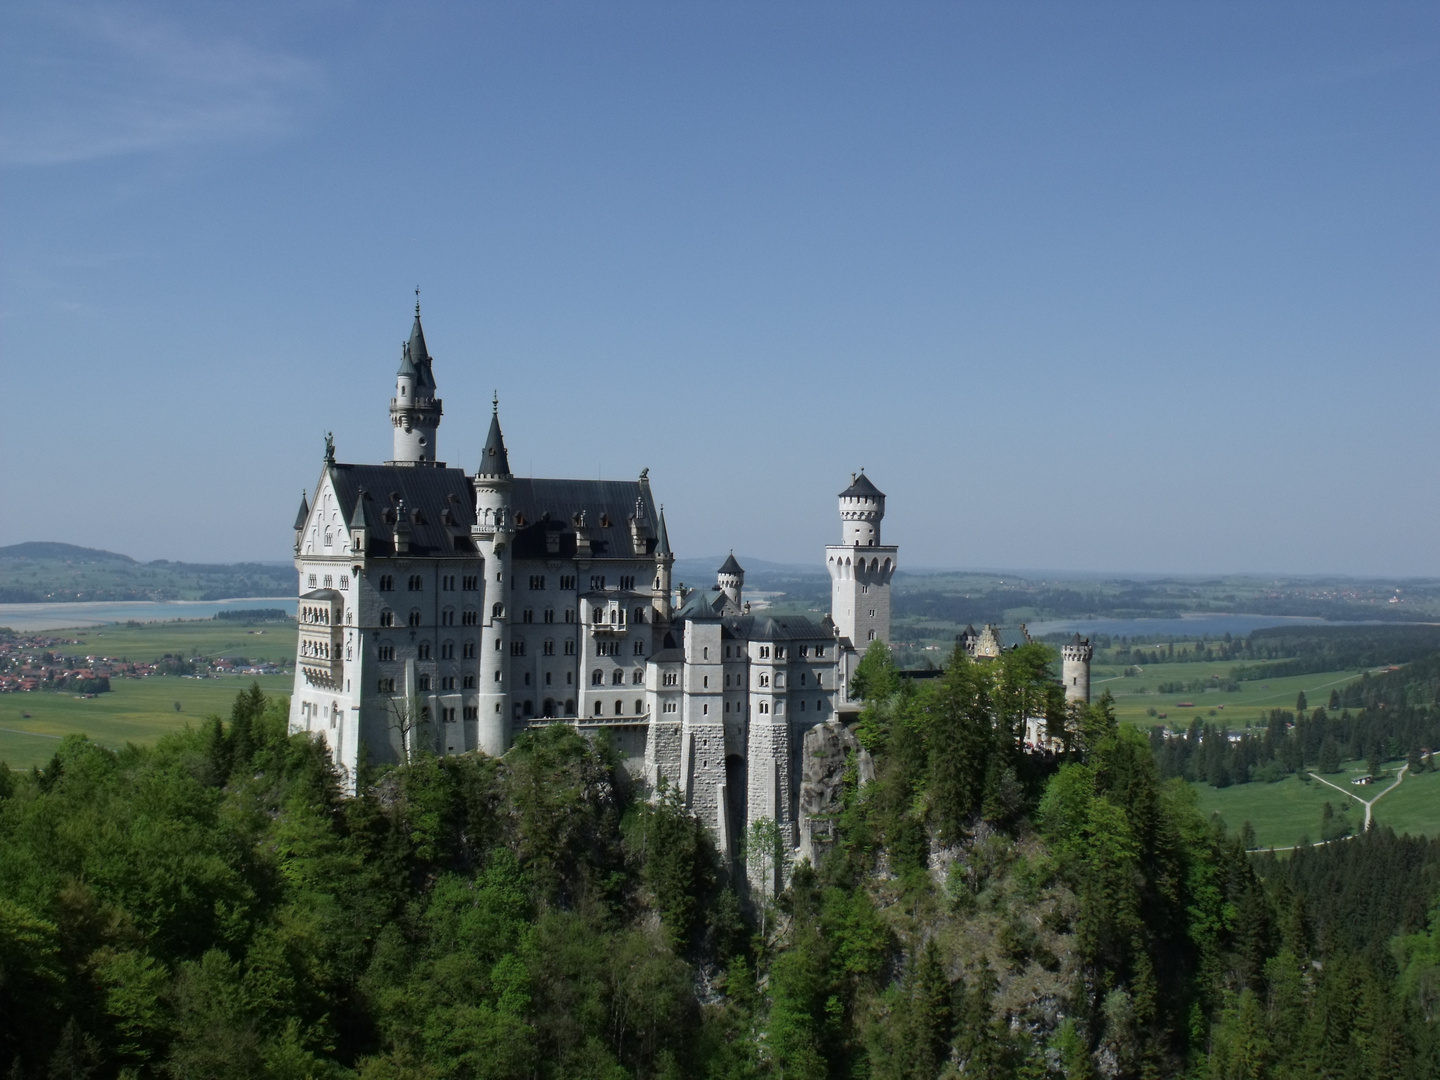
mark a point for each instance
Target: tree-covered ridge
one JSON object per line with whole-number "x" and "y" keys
{"x": 211, "y": 907}
{"x": 35, "y": 573}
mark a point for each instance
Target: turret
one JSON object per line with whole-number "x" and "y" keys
{"x": 664, "y": 563}
{"x": 1075, "y": 657}
{"x": 301, "y": 520}
{"x": 731, "y": 579}
{"x": 415, "y": 410}
{"x": 862, "y": 507}
{"x": 492, "y": 534}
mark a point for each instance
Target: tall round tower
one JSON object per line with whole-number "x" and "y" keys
{"x": 1075, "y": 657}
{"x": 492, "y": 534}
{"x": 731, "y": 579}
{"x": 415, "y": 410}
{"x": 862, "y": 507}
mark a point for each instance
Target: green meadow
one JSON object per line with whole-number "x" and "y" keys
{"x": 273, "y": 641}
{"x": 141, "y": 710}
{"x": 1136, "y": 694}
{"x": 1413, "y": 807}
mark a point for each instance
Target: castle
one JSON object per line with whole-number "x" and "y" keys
{"x": 448, "y": 612}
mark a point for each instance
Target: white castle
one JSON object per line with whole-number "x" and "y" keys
{"x": 449, "y": 612}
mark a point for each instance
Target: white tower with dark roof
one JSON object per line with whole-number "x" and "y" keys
{"x": 415, "y": 410}
{"x": 492, "y": 534}
{"x": 860, "y": 569}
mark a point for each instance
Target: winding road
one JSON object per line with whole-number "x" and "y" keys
{"x": 1368, "y": 805}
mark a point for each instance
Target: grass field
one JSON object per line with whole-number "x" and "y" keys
{"x": 1288, "y": 811}
{"x": 200, "y": 637}
{"x": 135, "y": 710}
{"x": 1237, "y": 708}
{"x": 1413, "y": 807}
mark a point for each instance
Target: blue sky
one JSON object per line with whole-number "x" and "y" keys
{"x": 1091, "y": 287}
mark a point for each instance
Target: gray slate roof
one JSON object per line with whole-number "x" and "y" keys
{"x": 730, "y": 566}
{"x": 303, "y": 517}
{"x": 607, "y": 505}
{"x": 764, "y": 627}
{"x": 432, "y": 497}
{"x": 494, "y": 459}
{"x": 861, "y": 488}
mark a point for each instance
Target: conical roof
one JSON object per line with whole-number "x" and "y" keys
{"x": 662, "y": 544}
{"x": 494, "y": 461}
{"x": 730, "y": 566}
{"x": 406, "y": 366}
{"x": 304, "y": 515}
{"x": 357, "y": 519}
{"x": 861, "y": 488}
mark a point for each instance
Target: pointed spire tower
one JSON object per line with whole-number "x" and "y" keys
{"x": 415, "y": 409}
{"x": 664, "y": 562}
{"x": 491, "y": 535}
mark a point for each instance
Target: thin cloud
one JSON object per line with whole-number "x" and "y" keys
{"x": 97, "y": 83}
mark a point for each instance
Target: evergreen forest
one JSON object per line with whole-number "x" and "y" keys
{"x": 214, "y": 907}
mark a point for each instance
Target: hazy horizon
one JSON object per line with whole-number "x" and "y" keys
{"x": 1080, "y": 286}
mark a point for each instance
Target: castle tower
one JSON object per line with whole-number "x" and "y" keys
{"x": 491, "y": 533}
{"x": 861, "y": 567}
{"x": 730, "y": 579}
{"x": 664, "y": 563}
{"x": 1075, "y": 657}
{"x": 415, "y": 410}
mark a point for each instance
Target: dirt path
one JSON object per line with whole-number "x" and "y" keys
{"x": 1371, "y": 803}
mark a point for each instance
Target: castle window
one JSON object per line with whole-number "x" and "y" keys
{"x": 627, "y": 583}
{"x": 414, "y": 619}
{"x": 764, "y": 652}
{"x": 639, "y": 616}
{"x": 469, "y": 618}
{"x": 671, "y": 678}
{"x": 550, "y": 615}
{"x": 705, "y": 680}
{"x": 597, "y": 678}
{"x": 548, "y": 649}
{"x": 819, "y": 704}
{"x": 312, "y": 581}
{"x": 872, "y": 613}
{"x": 705, "y": 653}
{"x": 599, "y": 708}
{"x": 416, "y": 583}
{"x": 597, "y": 581}
{"x": 387, "y": 618}
{"x": 638, "y": 677}
{"x": 448, "y": 715}
{"x": 472, "y": 712}
{"x": 618, "y": 678}
{"x": 669, "y": 706}
{"x": 447, "y": 682}
{"x": 385, "y": 652}
{"x": 527, "y": 678}
{"x": 447, "y": 651}
{"x": 567, "y": 581}
{"x": 819, "y": 651}
{"x": 548, "y": 679}
{"x": 468, "y": 650}
{"x": 447, "y": 583}
{"x": 802, "y": 704}
{"x": 497, "y": 679}
{"x": 639, "y": 706}
{"x": 528, "y": 615}
{"x": 470, "y": 582}
{"x": 387, "y": 583}
{"x": 569, "y": 614}
{"x": 385, "y": 686}
{"x": 447, "y": 617}
{"x": 422, "y": 651}
{"x": 764, "y": 679}
{"x": 864, "y": 589}
{"x": 422, "y": 682}
{"x": 704, "y": 710}
{"x": 764, "y": 706}
{"x": 344, "y": 581}
{"x": 329, "y": 582}
{"x": 537, "y": 582}
{"x": 870, "y": 636}
{"x": 569, "y": 677}
{"x": 517, "y": 648}
{"x": 804, "y": 651}
{"x": 497, "y": 611}
{"x": 570, "y": 648}
{"x": 780, "y": 652}
{"x": 639, "y": 648}
{"x": 469, "y": 682}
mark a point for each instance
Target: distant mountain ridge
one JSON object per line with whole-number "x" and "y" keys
{"x": 44, "y": 571}
{"x": 52, "y": 549}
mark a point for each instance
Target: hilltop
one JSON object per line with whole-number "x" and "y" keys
{"x": 47, "y": 571}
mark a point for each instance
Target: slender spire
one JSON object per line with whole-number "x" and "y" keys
{"x": 494, "y": 461}
{"x": 662, "y": 543}
{"x": 304, "y": 515}
{"x": 357, "y": 518}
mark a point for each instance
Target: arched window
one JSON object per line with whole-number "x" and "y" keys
{"x": 597, "y": 678}
{"x": 619, "y": 708}
{"x": 618, "y": 678}
{"x": 598, "y": 708}
{"x": 638, "y": 677}
{"x": 569, "y": 707}
{"x": 497, "y": 611}
{"x": 870, "y": 636}
{"x": 639, "y": 706}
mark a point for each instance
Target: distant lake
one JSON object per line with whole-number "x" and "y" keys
{"x": 1216, "y": 626}
{"x": 56, "y": 616}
